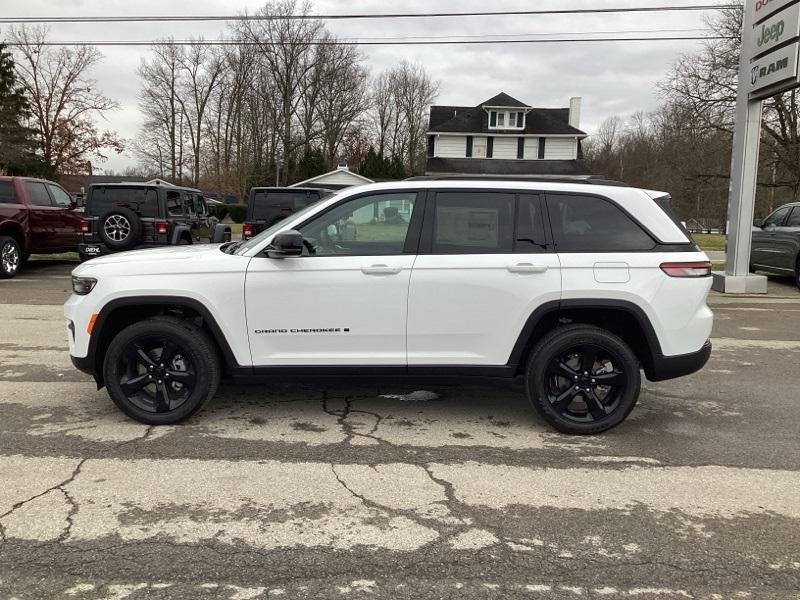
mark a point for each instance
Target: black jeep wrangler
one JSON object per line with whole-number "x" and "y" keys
{"x": 125, "y": 216}
{"x": 268, "y": 205}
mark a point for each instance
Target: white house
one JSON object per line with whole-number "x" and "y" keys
{"x": 504, "y": 136}
{"x": 338, "y": 179}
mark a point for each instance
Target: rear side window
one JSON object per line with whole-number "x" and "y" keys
{"x": 7, "y": 194}
{"x": 37, "y": 194}
{"x": 142, "y": 201}
{"x": 473, "y": 223}
{"x": 174, "y": 204}
{"x": 593, "y": 224}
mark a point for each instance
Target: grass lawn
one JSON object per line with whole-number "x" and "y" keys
{"x": 236, "y": 230}
{"x": 710, "y": 241}
{"x": 60, "y": 256}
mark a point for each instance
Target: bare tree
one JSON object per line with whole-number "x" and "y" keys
{"x": 414, "y": 92}
{"x": 64, "y": 101}
{"x": 286, "y": 47}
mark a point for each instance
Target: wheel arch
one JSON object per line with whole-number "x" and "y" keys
{"x": 14, "y": 230}
{"x": 121, "y": 312}
{"x": 622, "y": 318}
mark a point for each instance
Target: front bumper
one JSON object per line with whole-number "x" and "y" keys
{"x": 670, "y": 367}
{"x": 85, "y": 365}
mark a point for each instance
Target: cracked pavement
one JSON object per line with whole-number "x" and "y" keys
{"x": 353, "y": 490}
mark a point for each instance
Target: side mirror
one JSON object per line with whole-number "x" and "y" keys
{"x": 285, "y": 244}
{"x": 758, "y": 222}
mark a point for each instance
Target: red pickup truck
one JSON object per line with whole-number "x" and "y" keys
{"x": 35, "y": 216}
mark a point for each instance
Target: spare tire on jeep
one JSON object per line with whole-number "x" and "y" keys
{"x": 120, "y": 228}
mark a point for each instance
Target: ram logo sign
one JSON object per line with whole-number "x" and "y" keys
{"x": 773, "y": 69}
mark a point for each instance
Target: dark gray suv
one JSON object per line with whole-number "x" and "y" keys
{"x": 776, "y": 242}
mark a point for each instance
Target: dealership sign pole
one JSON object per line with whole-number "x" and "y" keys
{"x": 768, "y": 65}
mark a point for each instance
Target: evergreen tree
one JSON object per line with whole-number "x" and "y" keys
{"x": 17, "y": 142}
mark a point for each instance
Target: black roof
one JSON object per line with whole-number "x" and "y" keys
{"x": 503, "y": 99}
{"x": 474, "y": 119}
{"x": 144, "y": 184}
{"x": 493, "y": 166}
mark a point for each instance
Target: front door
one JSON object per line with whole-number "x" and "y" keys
{"x": 344, "y": 302}
{"x": 70, "y": 221}
{"x": 485, "y": 265}
{"x": 765, "y": 246}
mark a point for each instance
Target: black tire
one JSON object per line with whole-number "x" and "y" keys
{"x": 184, "y": 241}
{"x": 133, "y": 361}
{"x": 120, "y": 228}
{"x": 10, "y": 257}
{"x": 565, "y": 374}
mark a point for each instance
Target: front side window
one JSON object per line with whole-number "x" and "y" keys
{"x": 37, "y": 193}
{"x": 776, "y": 218}
{"x": 199, "y": 205}
{"x": 61, "y": 197}
{"x": 794, "y": 218}
{"x": 593, "y": 224}
{"x": 366, "y": 226}
{"x": 473, "y": 223}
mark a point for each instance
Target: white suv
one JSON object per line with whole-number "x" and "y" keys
{"x": 574, "y": 285}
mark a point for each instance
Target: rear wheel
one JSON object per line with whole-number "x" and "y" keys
{"x": 10, "y": 257}
{"x": 161, "y": 370}
{"x": 120, "y": 228}
{"x": 583, "y": 379}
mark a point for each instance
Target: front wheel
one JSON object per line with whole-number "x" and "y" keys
{"x": 161, "y": 370}
{"x": 583, "y": 379}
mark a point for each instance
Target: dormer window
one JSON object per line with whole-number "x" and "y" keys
{"x": 506, "y": 119}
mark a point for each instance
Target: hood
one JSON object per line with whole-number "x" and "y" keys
{"x": 168, "y": 258}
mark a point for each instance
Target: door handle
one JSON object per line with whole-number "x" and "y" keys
{"x": 381, "y": 270}
{"x": 526, "y": 268}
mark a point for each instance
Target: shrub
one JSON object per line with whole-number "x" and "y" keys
{"x": 238, "y": 212}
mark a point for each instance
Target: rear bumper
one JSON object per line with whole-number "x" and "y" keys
{"x": 670, "y": 367}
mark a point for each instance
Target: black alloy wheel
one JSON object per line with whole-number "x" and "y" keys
{"x": 161, "y": 370}
{"x": 583, "y": 379}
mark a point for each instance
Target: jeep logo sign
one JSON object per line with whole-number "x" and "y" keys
{"x": 773, "y": 31}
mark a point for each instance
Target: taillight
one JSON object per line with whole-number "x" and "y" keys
{"x": 161, "y": 227}
{"x": 247, "y": 231}
{"x": 86, "y": 227}
{"x": 687, "y": 269}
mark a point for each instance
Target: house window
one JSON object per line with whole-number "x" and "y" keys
{"x": 493, "y": 118}
{"x": 506, "y": 119}
{"x": 501, "y": 119}
{"x": 469, "y": 146}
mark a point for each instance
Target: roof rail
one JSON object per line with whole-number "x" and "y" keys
{"x": 587, "y": 179}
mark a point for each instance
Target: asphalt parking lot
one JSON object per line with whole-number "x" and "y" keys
{"x": 358, "y": 491}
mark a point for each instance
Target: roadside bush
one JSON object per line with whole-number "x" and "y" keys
{"x": 238, "y": 212}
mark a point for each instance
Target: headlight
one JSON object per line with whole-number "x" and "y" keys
{"x": 83, "y": 285}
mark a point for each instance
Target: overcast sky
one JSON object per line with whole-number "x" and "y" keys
{"x": 613, "y": 78}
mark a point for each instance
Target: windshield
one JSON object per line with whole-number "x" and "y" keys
{"x": 255, "y": 241}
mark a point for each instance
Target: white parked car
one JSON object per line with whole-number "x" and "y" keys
{"x": 577, "y": 286}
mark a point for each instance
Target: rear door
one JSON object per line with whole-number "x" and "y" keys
{"x": 485, "y": 265}
{"x": 45, "y": 217}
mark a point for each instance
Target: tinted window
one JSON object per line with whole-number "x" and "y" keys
{"x": 142, "y": 201}
{"x": 61, "y": 197}
{"x": 37, "y": 193}
{"x": 593, "y": 224}
{"x": 794, "y": 218}
{"x": 530, "y": 225}
{"x": 366, "y": 226}
{"x": 473, "y": 223}
{"x": 7, "y": 194}
{"x": 776, "y": 218}
{"x": 266, "y": 203}
{"x": 174, "y": 204}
